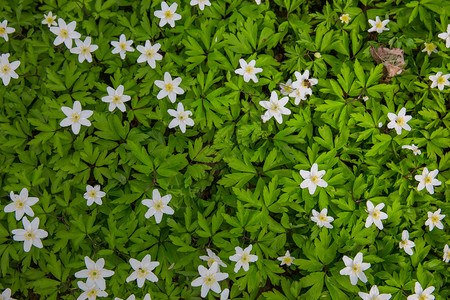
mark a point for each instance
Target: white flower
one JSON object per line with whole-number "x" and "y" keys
{"x": 317, "y": 55}
{"x": 302, "y": 86}
{"x": 167, "y": 14}
{"x": 5, "y": 30}
{"x": 446, "y": 256}
{"x": 201, "y": 3}
{"x": 375, "y": 215}
{"x": 158, "y": 206}
{"x": 427, "y": 180}
{"x": 321, "y": 218}
{"x": 434, "y": 219}
{"x": 399, "y": 122}
{"x": 429, "y": 48}
{"x": 7, "y": 69}
{"x": 421, "y": 294}
{"x": 122, "y": 46}
{"x": 287, "y": 259}
{"x": 378, "y": 25}
{"x": 365, "y": 98}
{"x": 6, "y": 295}
{"x": 439, "y": 80}
{"x": 355, "y": 268}
{"x": 345, "y": 18}
{"x": 133, "y": 297}
{"x": 143, "y": 270}
{"x": 91, "y": 291}
{"x": 406, "y": 243}
{"x": 65, "y": 33}
{"x": 209, "y": 279}
{"x": 242, "y": 258}
{"x": 380, "y": 124}
{"x": 75, "y": 117}
{"x": 30, "y": 234}
{"x": 413, "y": 148}
{"x": 21, "y": 204}
{"x": 248, "y": 70}
{"x": 258, "y": 2}
{"x": 149, "y": 53}
{"x": 116, "y": 98}
{"x": 374, "y": 294}
{"x": 313, "y": 179}
{"x": 84, "y": 49}
{"x": 95, "y": 273}
{"x": 446, "y": 36}
{"x": 169, "y": 87}
{"x": 49, "y": 19}
{"x": 286, "y": 88}
{"x": 181, "y": 118}
{"x": 211, "y": 258}
{"x": 275, "y": 108}
{"x": 224, "y": 295}
{"x": 93, "y": 194}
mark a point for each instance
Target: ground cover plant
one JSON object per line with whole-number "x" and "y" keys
{"x": 224, "y": 149}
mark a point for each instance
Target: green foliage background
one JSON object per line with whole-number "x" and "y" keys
{"x": 234, "y": 180}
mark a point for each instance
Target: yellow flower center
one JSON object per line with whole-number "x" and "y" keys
{"x": 322, "y": 217}
{"x": 345, "y": 18}
{"x": 209, "y": 280}
{"x": 400, "y": 121}
{"x": 50, "y": 20}
{"x": 275, "y": 107}
{"x": 30, "y": 235}
{"x": 210, "y": 262}
{"x": 376, "y": 214}
{"x": 168, "y": 14}
{"x": 403, "y": 242}
{"x": 64, "y": 33}
{"x": 5, "y": 68}
{"x": 182, "y": 116}
{"x": 287, "y": 260}
{"x": 143, "y": 272}
{"x": 92, "y": 293}
{"x": 123, "y": 46}
{"x": 245, "y": 258}
{"x": 423, "y": 297}
{"x": 428, "y": 179}
{"x": 441, "y": 80}
{"x": 249, "y": 69}
{"x": 92, "y": 194}
{"x": 169, "y": 87}
{"x": 2, "y": 30}
{"x": 94, "y": 274}
{"x": 19, "y": 204}
{"x": 150, "y": 53}
{"x": 287, "y": 88}
{"x": 85, "y": 50}
{"x": 356, "y": 268}
{"x": 75, "y": 117}
{"x": 379, "y": 25}
{"x": 117, "y": 99}
{"x": 435, "y": 219}
{"x": 159, "y": 205}
{"x": 430, "y": 47}
{"x": 315, "y": 179}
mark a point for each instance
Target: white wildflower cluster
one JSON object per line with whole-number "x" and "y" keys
{"x": 31, "y": 235}
{"x": 7, "y": 69}
{"x": 209, "y": 278}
